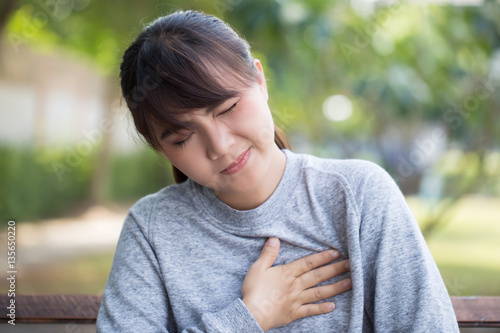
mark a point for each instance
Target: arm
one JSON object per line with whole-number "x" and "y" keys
{"x": 404, "y": 291}
{"x": 135, "y": 299}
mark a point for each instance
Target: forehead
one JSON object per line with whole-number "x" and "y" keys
{"x": 171, "y": 120}
{"x": 183, "y": 119}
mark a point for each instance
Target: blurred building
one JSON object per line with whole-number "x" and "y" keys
{"x": 56, "y": 99}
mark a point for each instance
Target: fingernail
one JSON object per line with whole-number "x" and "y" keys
{"x": 347, "y": 283}
{"x": 273, "y": 241}
{"x": 334, "y": 254}
{"x": 347, "y": 265}
{"x": 330, "y": 306}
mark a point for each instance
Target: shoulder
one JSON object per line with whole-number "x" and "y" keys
{"x": 354, "y": 173}
{"x": 362, "y": 181}
{"x": 167, "y": 199}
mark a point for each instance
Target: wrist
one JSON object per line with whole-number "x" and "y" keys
{"x": 257, "y": 314}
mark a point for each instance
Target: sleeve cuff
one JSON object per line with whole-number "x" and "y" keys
{"x": 234, "y": 318}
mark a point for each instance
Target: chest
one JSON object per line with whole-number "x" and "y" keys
{"x": 206, "y": 276}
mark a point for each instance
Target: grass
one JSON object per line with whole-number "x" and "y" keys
{"x": 466, "y": 250}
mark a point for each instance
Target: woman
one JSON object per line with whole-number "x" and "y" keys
{"x": 194, "y": 257}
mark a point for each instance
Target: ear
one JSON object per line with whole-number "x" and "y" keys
{"x": 262, "y": 79}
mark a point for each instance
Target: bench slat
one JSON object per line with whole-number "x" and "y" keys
{"x": 481, "y": 311}
{"x": 478, "y": 311}
{"x": 53, "y": 308}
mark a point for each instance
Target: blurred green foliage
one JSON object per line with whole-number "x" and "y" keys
{"x": 137, "y": 174}
{"x": 405, "y": 67}
{"x": 38, "y": 184}
{"x": 404, "y": 62}
{"x": 29, "y": 188}
{"x": 400, "y": 63}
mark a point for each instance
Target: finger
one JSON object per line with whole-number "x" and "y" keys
{"x": 308, "y": 310}
{"x": 324, "y": 273}
{"x": 269, "y": 253}
{"x": 303, "y": 265}
{"x": 319, "y": 293}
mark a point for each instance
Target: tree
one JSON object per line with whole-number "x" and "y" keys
{"x": 404, "y": 67}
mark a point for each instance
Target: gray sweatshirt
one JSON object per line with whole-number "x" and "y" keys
{"x": 183, "y": 254}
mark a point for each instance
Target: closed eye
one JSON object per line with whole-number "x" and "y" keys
{"x": 181, "y": 143}
{"x": 228, "y": 110}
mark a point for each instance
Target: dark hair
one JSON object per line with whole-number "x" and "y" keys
{"x": 183, "y": 61}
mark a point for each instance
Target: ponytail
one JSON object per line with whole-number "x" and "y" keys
{"x": 281, "y": 139}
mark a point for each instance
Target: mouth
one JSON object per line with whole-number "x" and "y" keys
{"x": 238, "y": 164}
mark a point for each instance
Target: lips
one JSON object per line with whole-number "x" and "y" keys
{"x": 238, "y": 164}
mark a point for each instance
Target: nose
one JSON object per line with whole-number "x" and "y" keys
{"x": 218, "y": 141}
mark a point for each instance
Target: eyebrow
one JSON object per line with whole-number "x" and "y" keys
{"x": 169, "y": 131}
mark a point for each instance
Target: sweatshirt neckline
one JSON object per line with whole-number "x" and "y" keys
{"x": 232, "y": 219}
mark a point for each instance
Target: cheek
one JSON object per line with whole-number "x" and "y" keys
{"x": 186, "y": 159}
{"x": 257, "y": 124}
{"x": 264, "y": 136}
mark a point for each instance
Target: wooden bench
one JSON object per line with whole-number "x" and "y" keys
{"x": 53, "y": 308}
{"x": 478, "y": 311}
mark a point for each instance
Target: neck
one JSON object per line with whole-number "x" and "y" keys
{"x": 260, "y": 193}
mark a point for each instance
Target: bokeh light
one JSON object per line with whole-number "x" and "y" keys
{"x": 337, "y": 108}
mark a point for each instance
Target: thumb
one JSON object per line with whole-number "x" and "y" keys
{"x": 269, "y": 252}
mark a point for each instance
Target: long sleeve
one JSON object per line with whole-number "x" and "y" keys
{"x": 403, "y": 289}
{"x": 135, "y": 298}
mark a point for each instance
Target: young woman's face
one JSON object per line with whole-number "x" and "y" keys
{"x": 231, "y": 148}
